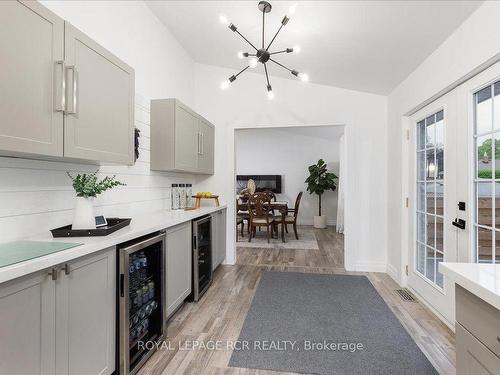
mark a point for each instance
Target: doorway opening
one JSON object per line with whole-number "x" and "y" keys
{"x": 276, "y": 159}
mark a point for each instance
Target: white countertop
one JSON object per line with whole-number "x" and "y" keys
{"x": 139, "y": 226}
{"x": 482, "y": 280}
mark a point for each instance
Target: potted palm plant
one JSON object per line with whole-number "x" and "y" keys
{"x": 87, "y": 187}
{"x": 319, "y": 181}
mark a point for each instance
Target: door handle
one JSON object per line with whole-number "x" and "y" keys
{"x": 459, "y": 223}
{"x": 60, "y": 87}
{"x": 53, "y": 273}
{"x": 67, "y": 269}
{"x": 72, "y": 95}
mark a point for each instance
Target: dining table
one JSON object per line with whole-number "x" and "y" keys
{"x": 281, "y": 206}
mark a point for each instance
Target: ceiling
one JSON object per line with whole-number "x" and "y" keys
{"x": 361, "y": 45}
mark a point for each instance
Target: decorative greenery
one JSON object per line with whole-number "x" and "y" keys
{"x": 320, "y": 180}
{"x": 485, "y": 148}
{"x": 487, "y": 173}
{"x": 88, "y": 185}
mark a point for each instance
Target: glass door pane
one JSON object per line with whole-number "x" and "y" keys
{"x": 430, "y": 173}
{"x": 487, "y": 176}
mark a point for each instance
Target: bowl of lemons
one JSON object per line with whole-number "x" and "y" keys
{"x": 204, "y": 194}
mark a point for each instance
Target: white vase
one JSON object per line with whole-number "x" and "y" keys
{"x": 320, "y": 222}
{"x": 84, "y": 214}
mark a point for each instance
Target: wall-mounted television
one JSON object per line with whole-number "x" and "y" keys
{"x": 263, "y": 182}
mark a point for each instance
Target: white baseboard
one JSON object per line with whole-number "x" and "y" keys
{"x": 370, "y": 267}
{"x": 328, "y": 222}
{"x": 393, "y": 273}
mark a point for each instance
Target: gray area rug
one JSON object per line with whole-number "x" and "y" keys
{"x": 307, "y": 240}
{"x": 296, "y": 319}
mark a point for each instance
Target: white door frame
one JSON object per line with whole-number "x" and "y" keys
{"x": 440, "y": 300}
{"x": 465, "y": 89}
{"x": 350, "y": 244}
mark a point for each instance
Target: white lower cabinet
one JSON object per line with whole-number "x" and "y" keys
{"x": 62, "y": 326}
{"x": 218, "y": 237}
{"x": 179, "y": 266}
{"x": 86, "y": 315}
{"x": 27, "y": 325}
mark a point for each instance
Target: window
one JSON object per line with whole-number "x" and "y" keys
{"x": 487, "y": 176}
{"x": 430, "y": 197}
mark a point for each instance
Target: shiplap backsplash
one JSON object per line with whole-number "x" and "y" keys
{"x": 36, "y": 196}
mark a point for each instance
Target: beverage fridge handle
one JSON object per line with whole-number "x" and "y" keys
{"x": 194, "y": 243}
{"x": 122, "y": 285}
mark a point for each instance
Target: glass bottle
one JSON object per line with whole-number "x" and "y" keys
{"x": 175, "y": 203}
{"x": 182, "y": 193}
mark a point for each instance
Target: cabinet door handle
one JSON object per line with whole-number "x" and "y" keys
{"x": 72, "y": 95}
{"x": 59, "y": 86}
{"x": 202, "y": 143}
{"x": 67, "y": 269}
{"x": 199, "y": 143}
{"x": 53, "y": 273}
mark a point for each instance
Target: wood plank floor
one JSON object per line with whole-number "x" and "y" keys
{"x": 220, "y": 314}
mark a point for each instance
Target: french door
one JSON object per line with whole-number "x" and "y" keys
{"x": 454, "y": 186}
{"x": 433, "y": 190}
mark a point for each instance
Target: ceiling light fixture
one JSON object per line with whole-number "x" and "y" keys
{"x": 263, "y": 55}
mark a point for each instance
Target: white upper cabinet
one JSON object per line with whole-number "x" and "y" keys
{"x": 99, "y": 122}
{"x": 32, "y": 51}
{"x": 62, "y": 95}
{"x": 186, "y": 138}
{"x": 181, "y": 140}
{"x": 206, "y": 146}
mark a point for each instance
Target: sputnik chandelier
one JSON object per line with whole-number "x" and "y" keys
{"x": 263, "y": 54}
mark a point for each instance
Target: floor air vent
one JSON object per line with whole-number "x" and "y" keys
{"x": 406, "y": 295}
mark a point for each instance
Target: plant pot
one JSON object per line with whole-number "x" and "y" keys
{"x": 320, "y": 222}
{"x": 84, "y": 214}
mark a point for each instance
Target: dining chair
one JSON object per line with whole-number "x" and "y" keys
{"x": 271, "y": 194}
{"x": 259, "y": 209}
{"x": 243, "y": 215}
{"x": 292, "y": 219}
{"x": 239, "y": 221}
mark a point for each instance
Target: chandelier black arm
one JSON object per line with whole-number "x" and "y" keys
{"x": 283, "y": 66}
{"x": 275, "y": 53}
{"x": 241, "y": 71}
{"x": 246, "y": 40}
{"x": 274, "y": 37}
{"x": 267, "y": 76}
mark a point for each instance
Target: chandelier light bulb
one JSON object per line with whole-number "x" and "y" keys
{"x": 240, "y": 55}
{"x": 223, "y": 20}
{"x": 296, "y": 49}
{"x": 252, "y": 63}
{"x": 303, "y": 77}
{"x": 270, "y": 95}
{"x": 224, "y": 85}
{"x": 292, "y": 9}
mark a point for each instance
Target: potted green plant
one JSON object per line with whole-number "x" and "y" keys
{"x": 319, "y": 181}
{"x": 87, "y": 187}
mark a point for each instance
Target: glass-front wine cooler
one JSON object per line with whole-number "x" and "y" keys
{"x": 141, "y": 296}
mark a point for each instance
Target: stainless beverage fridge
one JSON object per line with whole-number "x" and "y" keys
{"x": 202, "y": 256}
{"x": 142, "y": 303}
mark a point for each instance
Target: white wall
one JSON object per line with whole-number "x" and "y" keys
{"x": 35, "y": 195}
{"x": 245, "y": 105}
{"x": 289, "y": 152}
{"x": 474, "y": 43}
